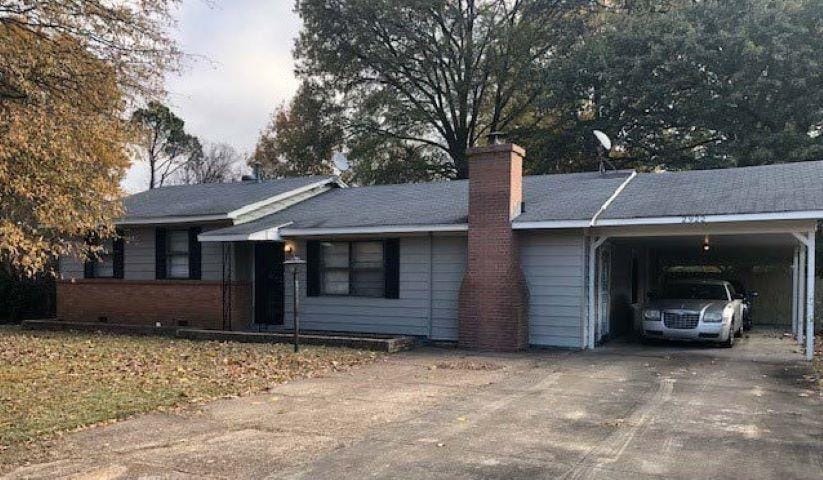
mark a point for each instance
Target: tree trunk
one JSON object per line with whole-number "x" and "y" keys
{"x": 461, "y": 163}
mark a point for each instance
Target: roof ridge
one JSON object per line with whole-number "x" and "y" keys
{"x": 241, "y": 182}
{"x": 736, "y": 169}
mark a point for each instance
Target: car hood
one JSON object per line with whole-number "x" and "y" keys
{"x": 693, "y": 305}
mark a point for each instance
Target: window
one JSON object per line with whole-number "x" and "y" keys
{"x": 107, "y": 261}
{"x": 104, "y": 265}
{"x": 695, "y": 291}
{"x": 177, "y": 254}
{"x": 352, "y": 268}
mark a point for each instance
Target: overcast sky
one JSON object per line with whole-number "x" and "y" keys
{"x": 246, "y": 72}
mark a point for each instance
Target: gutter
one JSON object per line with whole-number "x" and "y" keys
{"x": 305, "y": 232}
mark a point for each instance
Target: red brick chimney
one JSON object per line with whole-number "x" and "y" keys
{"x": 494, "y": 296}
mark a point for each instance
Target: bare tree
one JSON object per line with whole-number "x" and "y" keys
{"x": 167, "y": 145}
{"x": 217, "y": 163}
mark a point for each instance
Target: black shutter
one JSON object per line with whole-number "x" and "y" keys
{"x": 391, "y": 267}
{"x": 117, "y": 251}
{"x": 88, "y": 268}
{"x": 195, "y": 254}
{"x": 312, "y": 268}
{"x": 160, "y": 253}
{"x": 88, "y": 264}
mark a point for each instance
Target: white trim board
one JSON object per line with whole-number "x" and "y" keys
{"x": 307, "y": 232}
{"x": 282, "y": 231}
{"x": 267, "y": 234}
{"x": 283, "y": 196}
{"x": 701, "y": 219}
{"x": 172, "y": 219}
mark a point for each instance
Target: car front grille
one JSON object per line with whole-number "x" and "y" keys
{"x": 681, "y": 320}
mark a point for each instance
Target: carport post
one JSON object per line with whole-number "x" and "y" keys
{"x": 810, "y": 256}
{"x": 594, "y": 244}
{"x": 807, "y": 255}
{"x": 795, "y": 293}
{"x": 801, "y": 284}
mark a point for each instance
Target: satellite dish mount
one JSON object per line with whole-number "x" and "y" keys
{"x": 604, "y": 146}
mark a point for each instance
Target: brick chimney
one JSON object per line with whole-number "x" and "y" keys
{"x": 493, "y": 307}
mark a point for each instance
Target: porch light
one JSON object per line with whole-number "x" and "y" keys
{"x": 706, "y": 246}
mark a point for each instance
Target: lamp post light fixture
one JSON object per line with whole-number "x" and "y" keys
{"x": 294, "y": 262}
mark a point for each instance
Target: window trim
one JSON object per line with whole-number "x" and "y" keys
{"x": 350, "y": 268}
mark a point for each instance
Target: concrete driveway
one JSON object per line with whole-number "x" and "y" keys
{"x": 621, "y": 412}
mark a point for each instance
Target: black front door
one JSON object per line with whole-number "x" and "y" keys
{"x": 268, "y": 283}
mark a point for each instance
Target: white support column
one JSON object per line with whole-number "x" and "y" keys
{"x": 594, "y": 244}
{"x": 801, "y": 284}
{"x": 795, "y": 297}
{"x": 810, "y": 271}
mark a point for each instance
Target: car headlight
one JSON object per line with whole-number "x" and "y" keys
{"x": 652, "y": 315}
{"x": 713, "y": 317}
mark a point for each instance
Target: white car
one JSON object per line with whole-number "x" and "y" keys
{"x": 700, "y": 310}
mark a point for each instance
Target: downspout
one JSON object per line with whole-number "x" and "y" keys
{"x": 595, "y": 243}
{"x": 611, "y": 199}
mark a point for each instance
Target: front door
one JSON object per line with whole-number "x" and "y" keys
{"x": 268, "y": 283}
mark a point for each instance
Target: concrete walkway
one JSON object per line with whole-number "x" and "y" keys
{"x": 624, "y": 411}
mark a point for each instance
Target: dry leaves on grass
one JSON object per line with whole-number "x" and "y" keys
{"x": 818, "y": 361}
{"x": 55, "y": 381}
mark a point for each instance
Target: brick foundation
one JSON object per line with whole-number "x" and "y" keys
{"x": 493, "y": 306}
{"x": 170, "y": 302}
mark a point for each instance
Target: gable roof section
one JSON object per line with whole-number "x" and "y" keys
{"x": 579, "y": 200}
{"x": 213, "y": 201}
{"x": 791, "y": 190}
{"x": 434, "y": 206}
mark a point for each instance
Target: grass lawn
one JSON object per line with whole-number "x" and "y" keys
{"x": 52, "y": 382}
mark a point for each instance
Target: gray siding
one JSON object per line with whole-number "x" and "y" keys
{"x": 554, "y": 266}
{"x": 138, "y": 254}
{"x": 419, "y": 310}
{"x": 138, "y": 257}
{"x": 71, "y": 268}
{"x": 448, "y": 267}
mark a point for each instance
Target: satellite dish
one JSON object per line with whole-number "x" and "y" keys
{"x": 603, "y": 139}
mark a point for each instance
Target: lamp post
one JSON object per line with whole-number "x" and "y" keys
{"x": 295, "y": 263}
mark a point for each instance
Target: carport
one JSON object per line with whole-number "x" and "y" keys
{"x": 739, "y": 225}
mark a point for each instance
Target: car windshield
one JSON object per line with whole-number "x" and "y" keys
{"x": 694, "y": 291}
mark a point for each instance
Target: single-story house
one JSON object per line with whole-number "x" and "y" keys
{"x": 498, "y": 261}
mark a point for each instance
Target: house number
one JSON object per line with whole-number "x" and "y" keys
{"x": 694, "y": 219}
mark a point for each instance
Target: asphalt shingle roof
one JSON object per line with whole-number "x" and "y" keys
{"x": 208, "y": 199}
{"x": 762, "y": 189}
{"x": 574, "y": 196}
{"x": 548, "y": 197}
{"x": 578, "y": 196}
